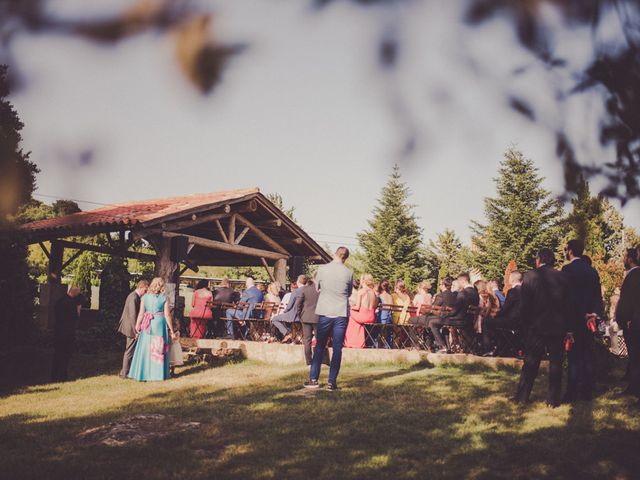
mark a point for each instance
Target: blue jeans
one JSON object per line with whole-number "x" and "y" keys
{"x": 237, "y": 314}
{"x": 336, "y": 327}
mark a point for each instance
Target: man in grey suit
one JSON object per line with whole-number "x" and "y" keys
{"x": 290, "y": 313}
{"x": 335, "y": 283}
{"x": 307, "y": 303}
{"x": 127, "y": 325}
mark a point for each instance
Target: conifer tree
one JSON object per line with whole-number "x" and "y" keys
{"x": 450, "y": 255}
{"x": 520, "y": 219}
{"x": 392, "y": 244}
{"x": 17, "y": 182}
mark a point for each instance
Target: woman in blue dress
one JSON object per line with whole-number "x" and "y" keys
{"x": 150, "y": 359}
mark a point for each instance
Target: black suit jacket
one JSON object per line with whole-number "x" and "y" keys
{"x": 445, "y": 299}
{"x": 628, "y": 309}
{"x": 464, "y": 299}
{"x": 307, "y": 303}
{"x": 224, "y": 295}
{"x": 543, "y": 301}
{"x": 510, "y": 311}
{"x": 127, "y": 325}
{"x": 585, "y": 293}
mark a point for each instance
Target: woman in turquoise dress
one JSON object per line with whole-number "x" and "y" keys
{"x": 151, "y": 357}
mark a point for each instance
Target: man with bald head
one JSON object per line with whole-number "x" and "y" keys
{"x": 66, "y": 315}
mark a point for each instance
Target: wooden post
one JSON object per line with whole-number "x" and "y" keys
{"x": 280, "y": 271}
{"x": 165, "y": 267}
{"x": 55, "y": 259}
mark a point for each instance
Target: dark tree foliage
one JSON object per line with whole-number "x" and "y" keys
{"x": 614, "y": 72}
{"x": 17, "y": 182}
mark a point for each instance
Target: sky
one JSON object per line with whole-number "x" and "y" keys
{"x": 305, "y": 111}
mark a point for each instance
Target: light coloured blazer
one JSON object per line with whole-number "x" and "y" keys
{"x": 334, "y": 281}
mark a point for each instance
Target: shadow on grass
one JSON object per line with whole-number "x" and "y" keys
{"x": 412, "y": 422}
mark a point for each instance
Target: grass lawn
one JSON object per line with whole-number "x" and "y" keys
{"x": 389, "y": 421}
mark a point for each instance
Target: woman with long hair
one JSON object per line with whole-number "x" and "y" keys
{"x": 401, "y": 299}
{"x": 150, "y": 360}
{"x": 201, "y": 311}
{"x": 423, "y": 297}
{"x": 362, "y": 313}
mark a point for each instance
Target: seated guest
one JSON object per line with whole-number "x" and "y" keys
{"x": 252, "y": 296}
{"x": 402, "y": 299}
{"x": 494, "y": 286}
{"x": 286, "y": 296}
{"x": 353, "y": 299}
{"x": 508, "y": 317}
{"x": 459, "y": 317}
{"x": 362, "y": 313}
{"x": 290, "y": 313}
{"x": 273, "y": 297}
{"x": 384, "y": 316}
{"x": 446, "y": 298}
{"x": 223, "y": 294}
{"x": 423, "y": 297}
{"x": 200, "y": 309}
{"x": 489, "y": 305}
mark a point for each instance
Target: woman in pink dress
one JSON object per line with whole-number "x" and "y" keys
{"x": 362, "y": 313}
{"x": 200, "y": 309}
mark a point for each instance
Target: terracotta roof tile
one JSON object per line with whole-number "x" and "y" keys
{"x": 132, "y": 213}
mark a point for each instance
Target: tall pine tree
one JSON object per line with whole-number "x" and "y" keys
{"x": 392, "y": 244}
{"x": 521, "y": 219}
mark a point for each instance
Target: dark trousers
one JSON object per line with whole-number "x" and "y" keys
{"x": 336, "y": 328}
{"x": 308, "y": 331}
{"x": 128, "y": 356}
{"x": 534, "y": 350}
{"x": 436, "y": 323}
{"x": 582, "y": 367}
{"x": 489, "y": 326}
{"x": 632, "y": 340}
{"x": 60, "y": 364}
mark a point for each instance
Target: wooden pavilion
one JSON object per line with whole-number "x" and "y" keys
{"x": 232, "y": 228}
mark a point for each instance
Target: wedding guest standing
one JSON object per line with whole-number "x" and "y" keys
{"x": 200, "y": 309}
{"x": 66, "y": 316}
{"x": 362, "y": 313}
{"x": 127, "y": 325}
{"x": 335, "y": 284}
{"x": 150, "y": 359}
{"x": 628, "y": 318}
{"x": 544, "y": 310}
{"x": 585, "y": 300}
{"x": 307, "y": 304}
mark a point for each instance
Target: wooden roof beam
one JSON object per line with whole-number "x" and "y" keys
{"x": 107, "y": 251}
{"x": 262, "y": 236}
{"x": 226, "y": 247}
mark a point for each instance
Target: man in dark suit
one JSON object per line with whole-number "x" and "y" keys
{"x": 543, "y": 296}
{"x": 127, "y": 325}
{"x": 628, "y": 318}
{"x": 306, "y": 305}
{"x": 66, "y": 313}
{"x": 290, "y": 313}
{"x": 252, "y": 296}
{"x": 585, "y": 301}
{"x": 508, "y": 317}
{"x": 460, "y": 318}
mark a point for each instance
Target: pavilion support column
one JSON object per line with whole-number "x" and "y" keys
{"x": 165, "y": 267}
{"x": 53, "y": 290}
{"x": 280, "y": 271}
